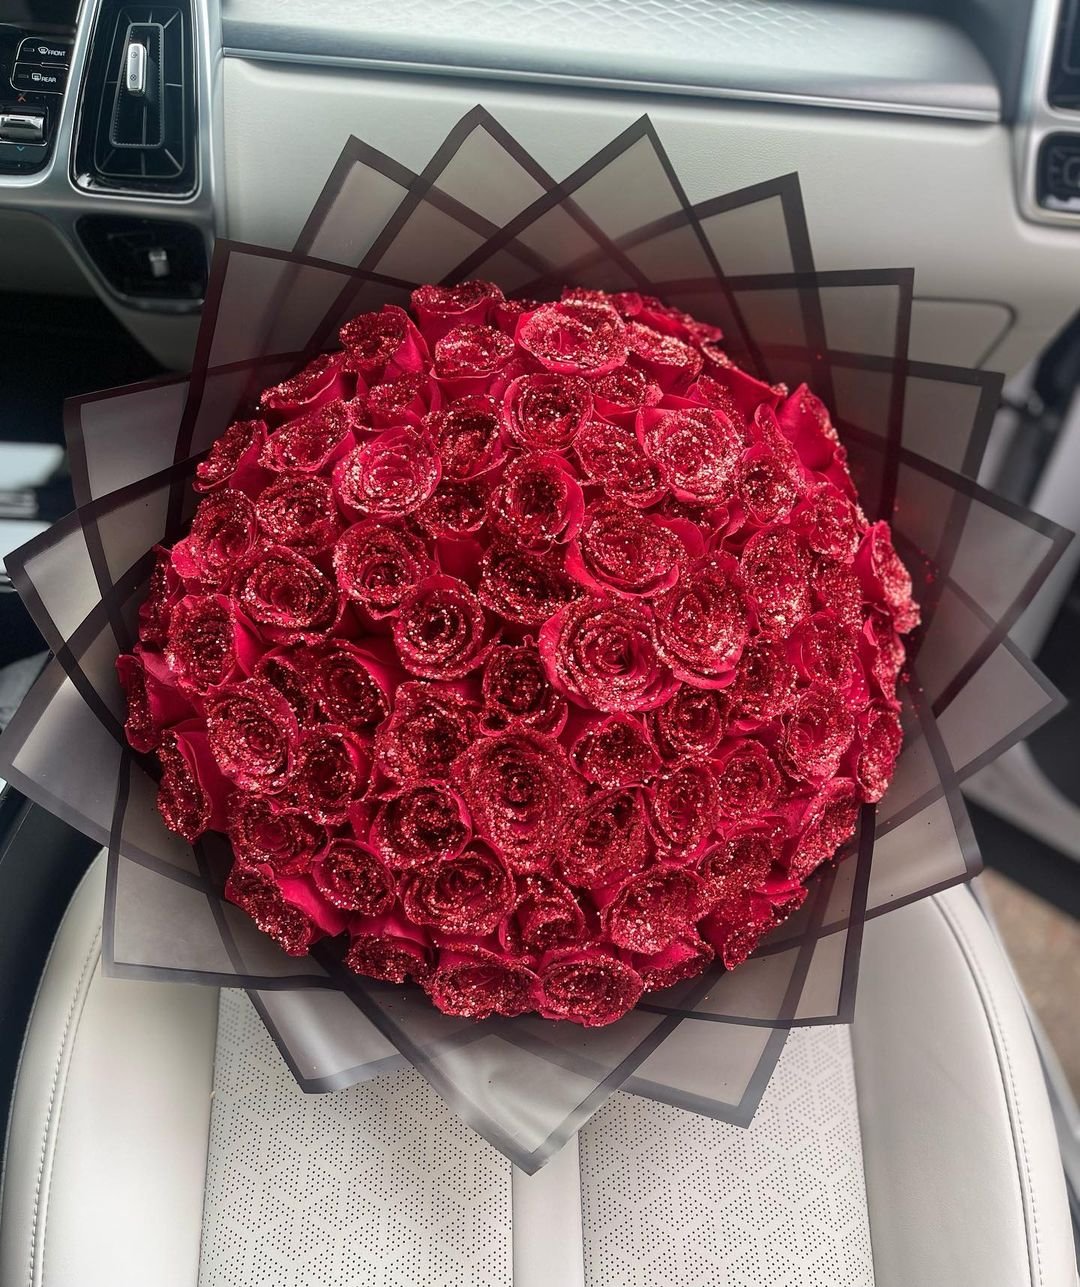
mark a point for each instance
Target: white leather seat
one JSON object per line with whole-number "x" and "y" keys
{"x": 158, "y": 1140}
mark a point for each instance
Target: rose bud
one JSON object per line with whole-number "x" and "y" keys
{"x": 420, "y": 823}
{"x": 354, "y": 879}
{"x": 574, "y": 337}
{"x": 695, "y": 449}
{"x": 817, "y": 733}
{"x": 879, "y": 740}
{"x": 604, "y": 840}
{"x": 378, "y": 563}
{"x": 348, "y": 684}
{"x": 192, "y": 793}
{"x": 629, "y": 553}
{"x": 524, "y": 588}
{"x": 314, "y": 442}
{"x": 690, "y": 724}
{"x": 286, "y": 595}
{"x": 154, "y": 702}
{"x": 748, "y": 780}
{"x": 332, "y": 768}
{"x": 603, "y": 653}
{"x": 681, "y": 809}
{"x": 517, "y": 786}
{"x": 517, "y": 691}
{"x": 382, "y": 345}
{"x": 476, "y": 984}
{"x": 289, "y": 909}
{"x": 683, "y": 958}
{"x": 210, "y": 642}
{"x": 387, "y": 477}
{"x": 318, "y": 383}
{"x": 405, "y": 400}
{"x": 648, "y": 910}
{"x": 252, "y": 734}
{"x": 612, "y": 456}
{"x": 590, "y": 987}
{"x": 441, "y": 308}
{"x": 615, "y": 752}
{"x": 262, "y": 832}
{"x": 233, "y": 459}
{"x": 299, "y": 512}
{"x": 546, "y": 412}
{"x": 222, "y": 534}
{"x": 467, "y": 357}
{"x": 775, "y": 571}
{"x": 429, "y": 726}
{"x": 702, "y": 623}
{"x": 469, "y": 436}
{"x": 546, "y": 916}
{"x": 537, "y": 502}
{"x": 665, "y": 358}
{"x": 884, "y": 578}
{"x": 826, "y": 823}
{"x": 469, "y": 893}
{"x": 441, "y": 631}
{"x": 388, "y": 947}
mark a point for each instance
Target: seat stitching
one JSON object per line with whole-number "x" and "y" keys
{"x": 1027, "y": 1203}
{"x": 91, "y": 956}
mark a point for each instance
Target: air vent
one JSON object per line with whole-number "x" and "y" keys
{"x": 1064, "y": 87}
{"x": 137, "y": 116}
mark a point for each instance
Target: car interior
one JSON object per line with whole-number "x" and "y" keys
{"x": 154, "y": 1135}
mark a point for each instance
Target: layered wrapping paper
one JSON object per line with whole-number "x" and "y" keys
{"x": 483, "y": 208}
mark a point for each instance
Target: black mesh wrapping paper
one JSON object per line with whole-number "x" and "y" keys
{"x": 915, "y": 433}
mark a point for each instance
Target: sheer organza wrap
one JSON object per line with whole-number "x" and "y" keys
{"x": 484, "y": 208}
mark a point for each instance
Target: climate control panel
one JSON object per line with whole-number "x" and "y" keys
{"x": 33, "y": 77}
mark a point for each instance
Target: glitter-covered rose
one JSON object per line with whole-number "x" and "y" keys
{"x": 534, "y": 647}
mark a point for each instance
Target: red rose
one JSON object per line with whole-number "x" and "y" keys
{"x": 311, "y": 443}
{"x": 252, "y": 734}
{"x": 286, "y": 594}
{"x": 420, "y": 823}
{"x": 468, "y": 893}
{"x": 882, "y": 654}
{"x": 766, "y": 485}
{"x": 690, "y": 724}
{"x": 349, "y": 685}
{"x": 546, "y": 412}
{"x": 605, "y": 839}
{"x": 154, "y": 702}
{"x": 696, "y": 451}
{"x": 546, "y": 916}
{"x": 517, "y": 691}
{"x": 383, "y": 344}
{"x": 222, "y": 535}
{"x": 429, "y": 726}
{"x": 477, "y": 984}
{"x": 615, "y": 752}
{"x": 318, "y": 383}
{"x": 735, "y": 929}
{"x": 517, "y": 786}
{"x": 263, "y": 833}
{"x": 764, "y": 685}
{"x": 666, "y": 358}
{"x": 574, "y": 337}
{"x": 823, "y": 650}
{"x": 884, "y": 578}
{"x": 298, "y": 512}
{"x": 879, "y": 738}
{"x": 331, "y": 773}
{"x": 441, "y": 308}
{"x": 286, "y": 670}
{"x": 587, "y": 987}
{"x": 165, "y": 589}
{"x": 470, "y": 355}
{"x": 621, "y": 394}
{"x": 192, "y": 792}
{"x": 685, "y": 957}
{"x": 646, "y": 912}
{"x": 388, "y": 476}
{"x": 748, "y": 780}
{"x": 830, "y": 524}
{"x": 233, "y": 458}
{"x": 209, "y": 642}
{"x": 602, "y": 653}
{"x": 622, "y": 550}
{"x": 740, "y": 863}
{"x": 837, "y": 588}
{"x": 817, "y": 733}
{"x": 805, "y": 422}
{"x": 538, "y": 502}
{"x": 826, "y": 823}
{"x": 405, "y": 400}
{"x": 441, "y": 631}
{"x": 469, "y": 435}
{"x": 288, "y": 909}
{"x": 682, "y": 808}
{"x": 702, "y": 624}
{"x": 457, "y": 508}
{"x": 775, "y": 571}
{"x": 351, "y": 877}
{"x": 611, "y": 455}
{"x": 522, "y": 587}
{"x": 378, "y": 563}
{"x": 388, "y": 947}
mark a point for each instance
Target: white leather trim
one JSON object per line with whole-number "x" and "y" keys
{"x": 964, "y": 1178}
{"x": 549, "y": 1248}
{"x": 106, "y": 1155}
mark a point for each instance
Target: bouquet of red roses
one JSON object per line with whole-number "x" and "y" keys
{"x": 531, "y": 649}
